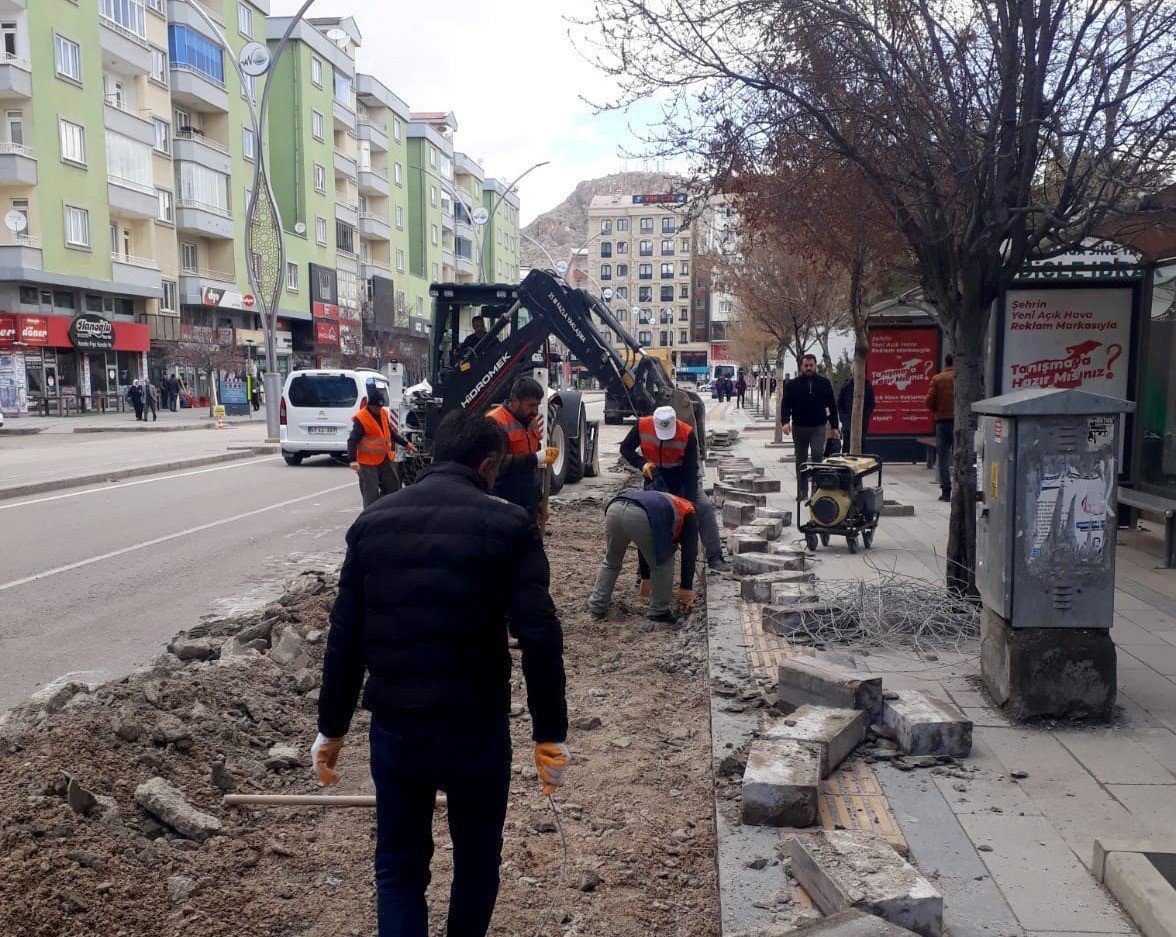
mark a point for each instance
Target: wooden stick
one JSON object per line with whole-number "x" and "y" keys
{"x": 308, "y": 800}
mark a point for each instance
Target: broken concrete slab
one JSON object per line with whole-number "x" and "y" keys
{"x": 737, "y": 514}
{"x": 788, "y": 620}
{"x": 778, "y": 514}
{"x": 765, "y": 485}
{"x": 756, "y": 563}
{"x": 805, "y": 680}
{"x": 759, "y": 588}
{"x": 738, "y": 543}
{"x": 768, "y": 527}
{"x": 781, "y": 783}
{"x": 843, "y": 869}
{"x": 167, "y": 804}
{"x": 923, "y": 724}
{"x": 894, "y": 509}
{"x": 793, "y": 593}
{"x": 729, "y": 494}
{"x": 836, "y": 732}
{"x": 846, "y": 924}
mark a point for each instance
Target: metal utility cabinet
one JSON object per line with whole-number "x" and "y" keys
{"x": 1048, "y": 460}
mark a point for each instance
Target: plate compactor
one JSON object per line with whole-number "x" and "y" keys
{"x": 840, "y": 502}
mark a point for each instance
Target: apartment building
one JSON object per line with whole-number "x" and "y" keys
{"x": 501, "y": 236}
{"x": 718, "y": 307}
{"x": 643, "y": 249}
{"x": 469, "y": 184}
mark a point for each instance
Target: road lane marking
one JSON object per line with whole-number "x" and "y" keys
{"x": 142, "y": 481}
{"x": 158, "y": 540}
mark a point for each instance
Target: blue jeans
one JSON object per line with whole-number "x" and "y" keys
{"x": 944, "y": 442}
{"x": 414, "y": 756}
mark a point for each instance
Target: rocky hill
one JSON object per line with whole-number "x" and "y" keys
{"x": 565, "y": 227}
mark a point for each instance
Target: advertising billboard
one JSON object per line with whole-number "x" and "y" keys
{"x": 900, "y": 364}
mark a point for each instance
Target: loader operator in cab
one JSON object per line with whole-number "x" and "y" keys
{"x": 518, "y": 476}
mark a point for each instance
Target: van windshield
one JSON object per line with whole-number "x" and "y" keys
{"x": 322, "y": 390}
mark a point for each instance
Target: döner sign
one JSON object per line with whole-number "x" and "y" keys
{"x": 90, "y": 332}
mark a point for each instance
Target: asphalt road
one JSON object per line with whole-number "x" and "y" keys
{"x": 94, "y": 581}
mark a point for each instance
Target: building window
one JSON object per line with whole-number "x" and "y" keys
{"x": 684, "y": 269}
{"x": 645, "y": 272}
{"x": 645, "y": 248}
{"x": 606, "y": 226}
{"x": 159, "y": 66}
{"x": 207, "y": 188}
{"x": 162, "y": 135}
{"x": 644, "y": 338}
{"x": 433, "y": 235}
{"x": 606, "y": 271}
{"x": 683, "y": 315}
{"x": 400, "y": 260}
{"x": 400, "y": 217}
{"x": 317, "y": 126}
{"x": 195, "y": 51}
{"x": 622, "y": 292}
{"x": 165, "y": 206}
{"x": 316, "y": 71}
{"x": 436, "y": 274}
{"x": 622, "y": 270}
{"x": 73, "y": 141}
{"x": 67, "y": 57}
{"x": 622, "y": 224}
{"x": 433, "y": 156}
{"x": 682, "y": 336}
{"x": 433, "y": 195}
{"x": 666, "y": 316}
{"x": 667, "y": 246}
{"x": 397, "y": 129}
{"x": 344, "y": 237}
{"x": 622, "y": 247}
{"x": 667, "y": 271}
{"x": 683, "y": 290}
{"x": 645, "y": 294}
{"x": 398, "y": 174}
{"x": 244, "y": 21}
{"x": 77, "y": 226}
{"x": 248, "y": 143}
{"x": 291, "y": 277}
{"x": 685, "y": 245}
{"x": 669, "y": 225}
{"x": 606, "y": 248}
{"x": 189, "y": 259}
{"x": 646, "y": 225}
{"x": 168, "y": 303}
{"x": 320, "y": 178}
{"x": 320, "y": 230}
{"x": 666, "y": 294}
{"x": 343, "y": 93}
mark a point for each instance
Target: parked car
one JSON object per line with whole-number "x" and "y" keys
{"x": 315, "y": 412}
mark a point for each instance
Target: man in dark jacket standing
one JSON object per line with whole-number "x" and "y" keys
{"x": 432, "y": 575}
{"x": 845, "y": 411}
{"x": 808, "y": 411}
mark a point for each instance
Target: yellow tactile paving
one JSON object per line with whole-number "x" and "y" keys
{"x": 851, "y": 797}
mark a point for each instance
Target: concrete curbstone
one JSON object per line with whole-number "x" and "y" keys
{"x": 923, "y": 724}
{"x": 836, "y": 732}
{"x": 781, "y": 783}
{"x": 805, "y": 680}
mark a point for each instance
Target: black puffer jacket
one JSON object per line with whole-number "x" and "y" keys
{"x": 431, "y": 575}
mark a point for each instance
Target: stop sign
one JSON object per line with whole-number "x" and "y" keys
{"x": 247, "y": 300}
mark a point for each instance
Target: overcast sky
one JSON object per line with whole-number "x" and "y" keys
{"x": 512, "y": 77}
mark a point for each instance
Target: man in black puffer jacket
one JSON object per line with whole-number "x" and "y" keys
{"x": 432, "y": 575}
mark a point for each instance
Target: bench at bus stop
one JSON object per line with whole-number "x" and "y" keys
{"x": 1165, "y": 508}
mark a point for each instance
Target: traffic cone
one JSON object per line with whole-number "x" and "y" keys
{"x": 220, "y": 422}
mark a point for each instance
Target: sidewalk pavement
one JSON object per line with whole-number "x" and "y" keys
{"x": 1033, "y": 837}
{"x": 184, "y": 419}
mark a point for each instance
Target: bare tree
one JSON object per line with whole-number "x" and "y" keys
{"x": 210, "y": 359}
{"x": 994, "y": 131}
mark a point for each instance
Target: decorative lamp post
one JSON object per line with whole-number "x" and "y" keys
{"x": 494, "y": 210}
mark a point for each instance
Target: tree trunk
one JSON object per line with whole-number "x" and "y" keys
{"x": 823, "y": 340}
{"x": 779, "y": 433}
{"x": 211, "y": 391}
{"x": 968, "y": 345}
{"x": 767, "y": 395}
{"x": 861, "y": 347}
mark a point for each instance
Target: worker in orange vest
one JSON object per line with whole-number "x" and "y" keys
{"x": 369, "y": 449}
{"x": 518, "y": 476}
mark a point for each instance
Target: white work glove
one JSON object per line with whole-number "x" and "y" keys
{"x": 324, "y": 755}
{"x": 551, "y": 761}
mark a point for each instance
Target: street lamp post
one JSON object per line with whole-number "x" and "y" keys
{"x": 494, "y": 211}
{"x": 265, "y": 248}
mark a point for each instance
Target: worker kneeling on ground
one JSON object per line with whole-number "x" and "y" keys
{"x": 665, "y": 450}
{"x": 656, "y": 522}
{"x": 431, "y": 577}
{"x": 518, "y": 479}
{"x": 369, "y": 449}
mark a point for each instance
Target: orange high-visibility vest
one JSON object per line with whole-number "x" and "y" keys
{"x": 519, "y": 441}
{"x": 682, "y": 508}
{"x": 376, "y": 445}
{"x": 669, "y": 453}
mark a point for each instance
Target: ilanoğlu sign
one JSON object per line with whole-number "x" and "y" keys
{"x": 90, "y": 332}
{"x": 900, "y": 365}
{"x": 1067, "y": 338}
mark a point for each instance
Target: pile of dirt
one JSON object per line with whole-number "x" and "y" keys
{"x": 232, "y": 708}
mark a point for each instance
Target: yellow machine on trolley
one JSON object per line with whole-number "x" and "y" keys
{"x": 840, "y": 502}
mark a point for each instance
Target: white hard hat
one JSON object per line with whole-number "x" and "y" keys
{"x": 665, "y": 423}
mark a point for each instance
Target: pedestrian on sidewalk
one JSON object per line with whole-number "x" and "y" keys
{"x": 808, "y": 401}
{"x": 369, "y": 448}
{"x": 173, "y": 386}
{"x": 740, "y": 391}
{"x": 433, "y": 574}
{"x": 941, "y": 403}
{"x": 518, "y": 478}
{"x": 665, "y": 450}
{"x": 657, "y": 523}
{"x": 135, "y": 396}
{"x": 845, "y": 411}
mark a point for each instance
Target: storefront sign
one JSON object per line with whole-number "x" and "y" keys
{"x": 205, "y": 334}
{"x": 665, "y": 198}
{"x": 7, "y": 331}
{"x": 34, "y": 330}
{"x": 720, "y": 351}
{"x": 91, "y": 332}
{"x": 900, "y": 365}
{"x": 1067, "y": 338}
{"x": 214, "y": 296}
{"x": 325, "y": 311}
{"x": 326, "y": 332}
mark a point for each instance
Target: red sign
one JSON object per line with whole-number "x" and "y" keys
{"x": 247, "y": 300}
{"x": 900, "y": 366}
{"x": 325, "y": 311}
{"x": 7, "y": 331}
{"x": 720, "y": 351}
{"x": 326, "y": 332}
{"x": 34, "y": 330}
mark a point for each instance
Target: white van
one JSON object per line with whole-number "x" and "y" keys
{"x": 316, "y": 410}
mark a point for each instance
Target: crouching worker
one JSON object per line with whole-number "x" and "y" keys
{"x": 432, "y": 575}
{"x": 657, "y": 523}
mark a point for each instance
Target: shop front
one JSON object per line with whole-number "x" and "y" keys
{"x": 61, "y": 365}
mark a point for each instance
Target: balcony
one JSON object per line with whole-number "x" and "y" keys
{"x": 19, "y": 252}
{"x": 210, "y": 220}
{"x": 345, "y": 167}
{"x": 374, "y": 268}
{"x": 16, "y": 77}
{"x": 198, "y": 90}
{"x": 142, "y": 273}
{"x": 193, "y": 282}
{"x": 448, "y": 222}
{"x": 18, "y": 165}
{"x": 373, "y": 133}
{"x": 195, "y": 147}
{"x": 374, "y": 183}
{"x": 132, "y": 198}
{"x": 122, "y": 120}
{"x": 127, "y": 48}
{"x": 375, "y": 227}
{"x": 466, "y": 265}
{"x": 344, "y": 117}
{"x": 347, "y": 212}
